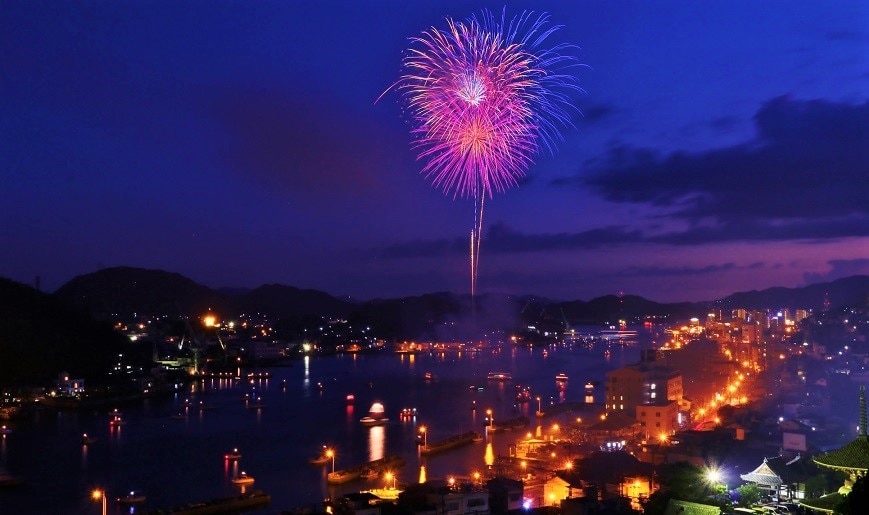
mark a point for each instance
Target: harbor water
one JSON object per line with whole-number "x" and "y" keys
{"x": 173, "y": 449}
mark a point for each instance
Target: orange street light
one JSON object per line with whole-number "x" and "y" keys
{"x": 98, "y": 494}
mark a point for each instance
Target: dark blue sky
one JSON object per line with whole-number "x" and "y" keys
{"x": 724, "y": 146}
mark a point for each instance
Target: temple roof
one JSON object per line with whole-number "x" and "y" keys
{"x": 677, "y": 507}
{"x": 826, "y": 503}
{"x": 853, "y": 456}
{"x": 763, "y": 475}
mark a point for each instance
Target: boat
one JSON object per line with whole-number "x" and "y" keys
{"x": 375, "y": 416}
{"x": 509, "y": 425}
{"x": 499, "y": 376}
{"x": 325, "y": 456}
{"x": 242, "y": 479}
{"x": 5, "y": 430}
{"x": 350, "y": 398}
{"x": 134, "y": 497}
{"x": 366, "y": 469}
{"x": 523, "y": 394}
{"x": 407, "y": 413}
{"x": 561, "y": 378}
{"x": 85, "y": 439}
{"x": 117, "y": 421}
{"x": 232, "y": 456}
{"x": 452, "y": 442}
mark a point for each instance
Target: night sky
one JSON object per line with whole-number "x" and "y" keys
{"x": 723, "y": 146}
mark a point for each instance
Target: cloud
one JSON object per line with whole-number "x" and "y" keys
{"x": 839, "y": 268}
{"x": 803, "y": 176}
{"x": 291, "y": 140}
{"x": 499, "y": 238}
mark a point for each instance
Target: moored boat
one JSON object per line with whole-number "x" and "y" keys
{"x": 242, "y": 479}
{"x": 375, "y": 416}
{"x": 452, "y": 442}
{"x": 324, "y": 457}
{"x": 365, "y": 470}
{"x": 86, "y": 440}
{"x": 232, "y": 456}
{"x": 134, "y": 497}
{"x": 499, "y": 376}
{"x": 561, "y": 378}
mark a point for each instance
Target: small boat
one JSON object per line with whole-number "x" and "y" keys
{"x": 561, "y": 378}
{"x": 134, "y": 497}
{"x": 375, "y": 416}
{"x": 232, "y": 456}
{"x": 5, "y": 430}
{"x": 85, "y": 439}
{"x": 499, "y": 376}
{"x": 350, "y": 398}
{"x": 408, "y": 413}
{"x": 324, "y": 457}
{"x": 117, "y": 421}
{"x": 178, "y": 416}
{"x": 242, "y": 479}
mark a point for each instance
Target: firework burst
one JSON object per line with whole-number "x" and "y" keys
{"x": 485, "y": 96}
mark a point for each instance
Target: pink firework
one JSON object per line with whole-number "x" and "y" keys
{"x": 485, "y": 96}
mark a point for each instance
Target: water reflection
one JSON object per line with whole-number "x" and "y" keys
{"x": 376, "y": 443}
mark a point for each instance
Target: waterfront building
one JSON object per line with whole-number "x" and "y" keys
{"x": 648, "y": 391}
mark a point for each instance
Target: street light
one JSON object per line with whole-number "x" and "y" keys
{"x": 98, "y": 494}
{"x": 422, "y": 430}
{"x": 539, "y": 409}
{"x": 491, "y": 418}
{"x": 330, "y": 453}
{"x": 391, "y": 477}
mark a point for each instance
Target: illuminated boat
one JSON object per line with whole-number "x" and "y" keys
{"x": 85, "y": 439}
{"x": 232, "y": 456}
{"x": 561, "y": 378}
{"x": 375, "y": 416}
{"x": 133, "y": 497}
{"x": 499, "y": 376}
{"x": 5, "y": 431}
{"x": 242, "y": 479}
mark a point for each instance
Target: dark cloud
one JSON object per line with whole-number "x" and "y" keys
{"x": 597, "y": 113}
{"x": 500, "y": 238}
{"x": 803, "y": 176}
{"x": 291, "y": 140}
{"x": 839, "y": 268}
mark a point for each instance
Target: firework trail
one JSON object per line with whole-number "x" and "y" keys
{"x": 485, "y": 96}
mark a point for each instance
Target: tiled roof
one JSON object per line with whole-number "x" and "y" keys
{"x": 763, "y": 475}
{"x": 826, "y": 503}
{"x": 677, "y": 507}
{"x": 854, "y": 455}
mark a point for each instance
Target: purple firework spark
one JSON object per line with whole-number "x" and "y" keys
{"x": 485, "y": 96}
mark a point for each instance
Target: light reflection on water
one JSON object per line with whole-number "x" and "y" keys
{"x": 180, "y": 460}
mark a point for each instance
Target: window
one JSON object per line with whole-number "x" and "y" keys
{"x": 653, "y": 386}
{"x": 658, "y": 414}
{"x": 653, "y": 395}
